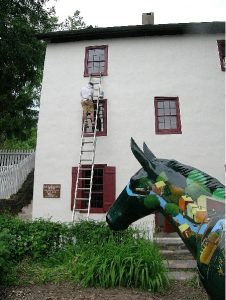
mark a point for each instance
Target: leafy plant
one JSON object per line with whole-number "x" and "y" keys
{"x": 194, "y": 281}
{"x": 73, "y": 22}
{"x": 4, "y": 254}
{"x": 21, "y": 70}
{"x": 35, "y": 239}
{"x": 133, "y": 264}
{"x": 87, "y": 253}
{"x": 14, "y": 143}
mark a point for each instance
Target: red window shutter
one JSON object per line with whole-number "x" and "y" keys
{"x": 109, "y": 187}
{"x": 73, "y": 184}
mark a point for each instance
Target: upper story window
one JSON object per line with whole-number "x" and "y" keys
{"x": 221, "y": 49}
{"x": 167, "y": 115}
{"x": 96, "y": 60}
{"x": 101, "y": 119}
{"x": 103, "y": 188}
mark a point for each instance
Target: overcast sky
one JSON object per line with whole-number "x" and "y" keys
{"x": 105, "y": 13}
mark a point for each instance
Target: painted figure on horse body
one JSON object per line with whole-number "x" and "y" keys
{"x": 193, "y": 202}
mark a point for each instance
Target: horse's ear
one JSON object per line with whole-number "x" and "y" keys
{"x": 137, "y": 152}
{"x": 148, "y": 153}
{"x": 145, "y": 163}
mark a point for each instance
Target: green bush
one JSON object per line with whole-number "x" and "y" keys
{"x": 35, "y": 239}
{"x": 134, "y": 264}
{"x": 87, "y": 253}
{"x": 4, "y": 254}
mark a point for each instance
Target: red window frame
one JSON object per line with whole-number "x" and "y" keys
{"x": 109, "y": 186}
{"x": 221, "y": 50}
{"x": 103, "y": 120}
{"x": 105, "y": 60}
{"x": 172, "y": 111}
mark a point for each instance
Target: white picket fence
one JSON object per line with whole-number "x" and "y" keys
{"x": 14, "y": 168}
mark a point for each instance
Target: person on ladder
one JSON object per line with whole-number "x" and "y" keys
{"x": 87, "y": 103}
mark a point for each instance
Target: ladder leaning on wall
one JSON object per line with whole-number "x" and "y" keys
{"x": 87, "y": 157}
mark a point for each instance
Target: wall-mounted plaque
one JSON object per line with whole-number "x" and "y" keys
{"x": 51, "y": 190}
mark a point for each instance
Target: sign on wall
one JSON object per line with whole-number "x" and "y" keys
{"x": 51, "y": 190}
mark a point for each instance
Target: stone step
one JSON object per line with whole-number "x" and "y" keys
{"x": 181, "y": 269}
{"x": 168, "y": 240}
{"x": 170, "y": 243}
{"x": 181, "y": 275}
{"x": 179, "y": 254}
{"x": 178, "y": 260}
{"x": 26, "y": 212}
{"x": 186, "y": 265}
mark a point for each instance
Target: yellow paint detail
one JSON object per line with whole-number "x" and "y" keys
{"x": 201, "y": 201}
{"x": 209, "y": 249}
{"x": 160, "y": 184}
{"x": 183, "y": 202}
{"x": 183, "y": 227}
{"x": 200, "y": 215}
{"x": 191, "y": 209}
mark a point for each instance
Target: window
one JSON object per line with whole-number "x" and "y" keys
{"x": 101, "y": 119}
{"x": 103, "y": 190}
{"x": 167, "y": 115}
{"x": 96, "y": 60}
{"x": 221, "y": 49}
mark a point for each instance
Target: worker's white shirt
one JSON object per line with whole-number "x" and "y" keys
{"x": 87, "y": 92}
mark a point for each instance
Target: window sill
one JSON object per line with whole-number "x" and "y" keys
{"x": 168, "y": 132}
{"x": 94, "y": 211}
{"x": 95, "y": 74}
{"x": 97, "y": 134}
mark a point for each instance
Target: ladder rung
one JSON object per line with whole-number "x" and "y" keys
{"x": 88, "y": 142}
{"x": 82, "y": 199}
{"x": 85, "y": 159}
{"x": 90, "y": 134}
{"x": 81, "y": 209}
{"x": 84, "y": 189}
{"x": 84, "y": 178}
{"x": 87, "y": 150}
{"x": 89, "y": 169}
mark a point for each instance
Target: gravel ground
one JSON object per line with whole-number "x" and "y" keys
{"x": 179, "y": 291}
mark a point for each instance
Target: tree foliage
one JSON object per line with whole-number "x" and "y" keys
{"x": 21, "y": 62}
{"x": 73, "y": 22}
{"x": 16, "y": 143}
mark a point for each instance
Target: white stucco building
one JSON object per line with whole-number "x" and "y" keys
{"x": 163, "y": 84}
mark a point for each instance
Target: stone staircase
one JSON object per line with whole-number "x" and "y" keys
{"x": 26, "y": 212}
{"x": 178, "y": 260}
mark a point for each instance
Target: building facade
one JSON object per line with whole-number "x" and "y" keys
{"x": 163, "y": 84}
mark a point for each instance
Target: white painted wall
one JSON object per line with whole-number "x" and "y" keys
{"x": 139, "y": 69}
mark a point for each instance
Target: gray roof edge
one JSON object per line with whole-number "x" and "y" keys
{"x": 133, "y": 31}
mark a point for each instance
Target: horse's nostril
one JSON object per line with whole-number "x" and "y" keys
{"x": 110, "y": 223}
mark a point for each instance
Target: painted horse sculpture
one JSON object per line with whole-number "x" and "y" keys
{"x": 193, "y": 202}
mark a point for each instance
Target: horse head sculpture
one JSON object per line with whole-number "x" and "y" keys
{"x": 190, "y": 199}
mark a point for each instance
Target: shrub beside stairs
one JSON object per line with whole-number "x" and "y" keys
{"x": 178, "y": 259}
